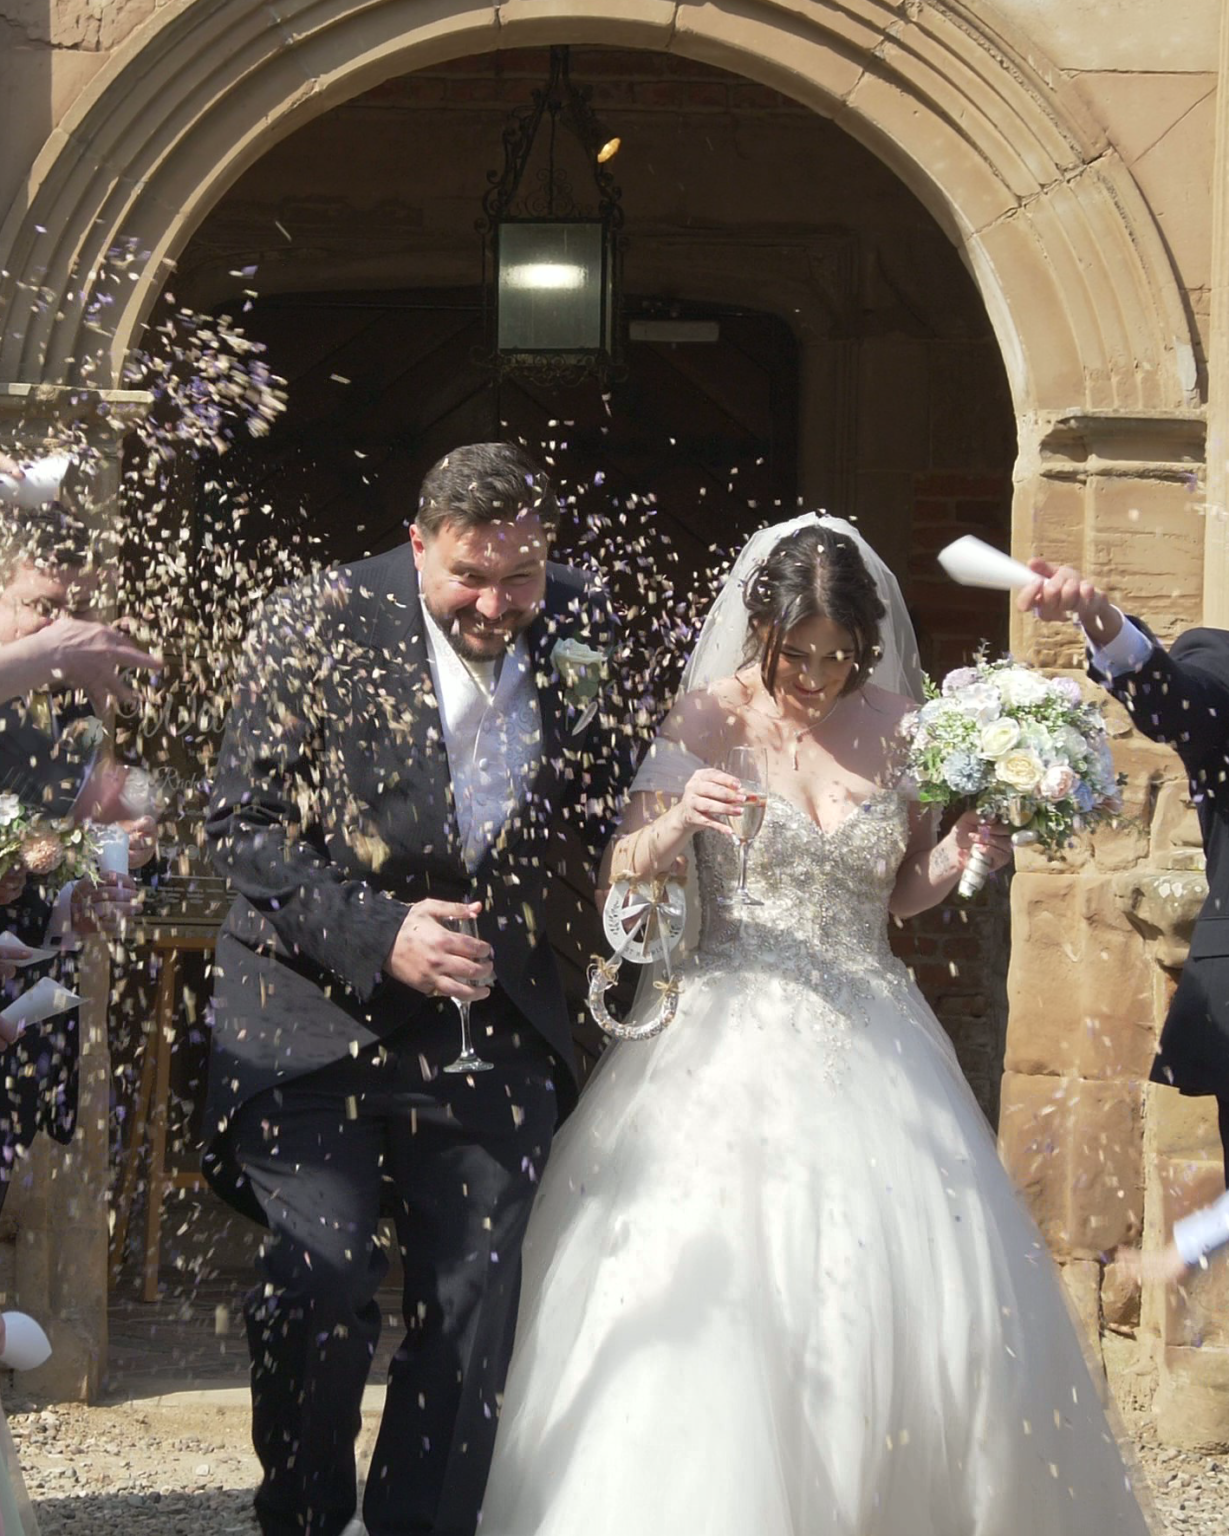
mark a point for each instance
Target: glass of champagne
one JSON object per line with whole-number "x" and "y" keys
{"x": 749, "y": 765}
{"x": 468, "y": 1060}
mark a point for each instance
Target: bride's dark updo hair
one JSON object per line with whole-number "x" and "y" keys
{"x": 816, "y": 572}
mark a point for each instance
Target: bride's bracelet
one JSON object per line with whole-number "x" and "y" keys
{"x": 624, "y": 865}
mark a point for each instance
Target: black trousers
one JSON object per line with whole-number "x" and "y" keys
{"x": 461, "y": 1157}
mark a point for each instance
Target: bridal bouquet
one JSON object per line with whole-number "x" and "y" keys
{"x": 1018, "y": 748}
{"x": 44, "y": 846}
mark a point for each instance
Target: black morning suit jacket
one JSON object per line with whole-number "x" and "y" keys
{"x": 333, "y": 810}
{"x": 40, "y": 1069}
{"x": 1181, "y": 697}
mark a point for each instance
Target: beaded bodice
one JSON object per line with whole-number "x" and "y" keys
{"x": 823, "y": 922}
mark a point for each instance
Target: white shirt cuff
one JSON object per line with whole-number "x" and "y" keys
{"x": 1203, "y": 1231}
{"x": 1126, "y": 652}
{"x": 60, "y": 924}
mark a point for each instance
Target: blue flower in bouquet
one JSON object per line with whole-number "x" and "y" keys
{"x": 965, "y": 772}
{"x": 1084, "y": 798}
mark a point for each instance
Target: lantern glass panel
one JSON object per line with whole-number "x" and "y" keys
{"x": 552, "y": 287}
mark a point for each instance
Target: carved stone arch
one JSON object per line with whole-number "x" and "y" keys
{"x": 1069, "y": 261}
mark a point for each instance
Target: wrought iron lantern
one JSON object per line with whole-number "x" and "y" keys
{"x": 551, "y": 248}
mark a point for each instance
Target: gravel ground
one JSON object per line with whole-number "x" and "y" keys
{"x": 183, "y": 1467}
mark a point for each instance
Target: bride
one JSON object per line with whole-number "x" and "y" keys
{"x": 777, "y": 1282}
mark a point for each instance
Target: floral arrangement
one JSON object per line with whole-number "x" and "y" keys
{"x": 1018, "y": 748}
{"x": 43, "y": 845}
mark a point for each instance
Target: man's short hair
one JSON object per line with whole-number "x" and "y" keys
{"x": 485, "y": 483}
{"x": 48, "y": 536}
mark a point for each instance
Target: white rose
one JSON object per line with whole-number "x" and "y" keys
{"x": 998, "y": 737}
{"x": 981, "y": 701}
{"x": 1022, "y": 770}
{"x": 10, "y": 809}
{"x": 1057, "y": 782}
{"x": 1020, "y": 686}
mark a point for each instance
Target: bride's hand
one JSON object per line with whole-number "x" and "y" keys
{"x": 709, "y": 798}
{"x": 970, "y": 832}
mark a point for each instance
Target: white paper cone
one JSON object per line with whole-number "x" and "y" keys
{"x": 40, "y": 482}
{"x": 976, "y": 564}
{"x": 112, "y": 850}
{"x": 26, "y": 1346}
{"x": 41, "y": 1001}
{"x": 9, "y": 942}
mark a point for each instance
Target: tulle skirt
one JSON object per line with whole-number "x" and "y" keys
{"x": 778, "y": 1284}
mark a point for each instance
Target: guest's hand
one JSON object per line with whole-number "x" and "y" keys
{"x": 433, "y": 958}
{"x": 12, "y": 883}
{"x": 103, "y": 907}
{"x": 89, "y": 655}
{"x": 142, "y": 840}
{"x": 11, "y": 468}
{"x": 1168, "y": 1266}
{"x": 1061, "y": 592}
{"x": 970, "y": 832}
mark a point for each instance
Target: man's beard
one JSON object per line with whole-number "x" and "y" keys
{"x": 506, "y": 631}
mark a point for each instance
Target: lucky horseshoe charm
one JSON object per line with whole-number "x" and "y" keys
{"x": 644, "y": 923}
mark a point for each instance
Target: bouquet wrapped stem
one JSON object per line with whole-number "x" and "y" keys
{"x": 974, "y": 874}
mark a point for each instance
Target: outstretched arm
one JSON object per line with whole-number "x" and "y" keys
{"x": 930, "y": 869}
{"x": 79, "y": 653}
{"x": 1180, "y": 697}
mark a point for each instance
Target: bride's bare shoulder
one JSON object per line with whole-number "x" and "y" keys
{"x": 706, "y": 715}
{"x": 892, "y": 706}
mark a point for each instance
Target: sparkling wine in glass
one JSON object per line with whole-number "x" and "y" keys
{"x": 749, "y": 765}
{"x": 468, "y": 1060}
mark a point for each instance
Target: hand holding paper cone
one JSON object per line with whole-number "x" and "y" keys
{"x": 973, "y": 563}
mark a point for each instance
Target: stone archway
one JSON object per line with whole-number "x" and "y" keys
{"x": 1069, "y": 262}
{"x": 1065, "y": 252}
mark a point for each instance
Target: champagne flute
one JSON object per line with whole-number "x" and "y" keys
{"x": 749, "y": 765}
{"x": 468, "y": 1060}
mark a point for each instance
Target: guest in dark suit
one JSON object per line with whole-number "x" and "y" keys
{"x": 1180, "y": 697}
{"x": 405, "y": 749}
{"x": 49, "y": 642}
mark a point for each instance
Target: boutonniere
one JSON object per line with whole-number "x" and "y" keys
{"x": 582, "y": 670}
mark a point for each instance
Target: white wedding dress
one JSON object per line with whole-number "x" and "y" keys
{"x": 777, "y": 1282}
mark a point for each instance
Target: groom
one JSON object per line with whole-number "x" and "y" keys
{"x": 405, "y": 750}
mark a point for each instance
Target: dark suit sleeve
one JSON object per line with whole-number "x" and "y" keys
{"x": 263, "y": 823}
{"x": 1181, "y": 696}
